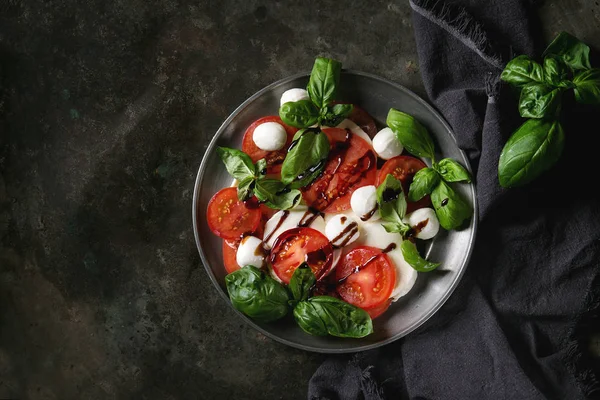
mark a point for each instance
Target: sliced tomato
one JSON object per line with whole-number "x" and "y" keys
{"x": 298, "y": 245}
{"x": 351, "y": 164}
{"x": 404, "y": 169}
{"x": 361, "y": 118}
{"x": 366, "y": 277}
{"x": 229, "y": 255}
{"x": 229, "y": 218}
{"x": 274, "y": 158}
{"x": 376, "y": 311}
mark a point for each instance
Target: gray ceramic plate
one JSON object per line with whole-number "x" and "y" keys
{"x": 452, "y": 249}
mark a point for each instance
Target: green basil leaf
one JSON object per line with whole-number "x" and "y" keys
{"x": 305, "y": 159}
{"x": 256, "y": 294}
{"x": 539, "y": 100}
{"x": 451, "y": 171}
{"x": 300, "y": 114}
{"x": 413, "y": 258}
{"x": 587, "y": 84}
{"x": 556, "y": 73}
{"x": 238, "y": 164}
{"x": 301, "y": 283}
{"x": 572, "y": 51}
{"x": 342, "y": 319}
{"x": 261, "y": 167}
{"x": 333, "y": 116}
{"x": 307, "y": 318}
{"x": 451, "y": 209}
{"x": 396, "y": 227}
{"x": 522, "y": 70}
{"x": 532, "y": 149}
{"x": 392, "y": 205}
{"x": 245, "y": 188}
{"x": 410, "y": 133}
{"x": 274, "y": 194}
{"x": 324, "y": 80}
{"x": 423, "y": 183}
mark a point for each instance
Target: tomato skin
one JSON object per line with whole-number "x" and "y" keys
{"x": 229, "y": 218}
{"x": 366, "y": 277}
{"x": 229, "y": 255}
{"x": 376, "y": 311}
{"x": 274, "y": 158}
{"x": 404, "y": 168}
{"x": 298, "y": 245}
{"x": 351, "y": 164}
{"x": 362, "y": 118}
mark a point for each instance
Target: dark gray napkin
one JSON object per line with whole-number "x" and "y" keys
{"x": 519, "y": 324}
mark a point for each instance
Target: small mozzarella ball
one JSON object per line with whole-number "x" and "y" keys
{"x": 341, "y": 230}
{"x": 386, "y": 144}
{"x": 295, "y": 94}
{"x": 364, "y": 201}
{"x": 250, "y": 252}
{"x": 269, "y": 136}
{"x": 427, "y": 217}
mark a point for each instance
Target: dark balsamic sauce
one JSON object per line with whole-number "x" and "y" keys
{"x": 370, "y": 213}
{"x": 444, "y": 202}
{"x": 345, "y": 235}
{"x": 309, "y": 216}
{"x": 284, "y": 215}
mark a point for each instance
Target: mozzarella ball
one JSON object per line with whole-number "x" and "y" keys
{"x": 426, "y": 222}
{"x": 386, "y": 144}
{"x": 363, "y": 202}
{"x": 269, "y": 136}
{"x": 341, "y": 230}
{"x": 295, "y": 94}
{"x": 250, "y": 252}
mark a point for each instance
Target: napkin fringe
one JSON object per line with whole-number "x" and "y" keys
{"x": 458, "y": 22}
{"x": 371, "y": 389}
{"x": 579, "y": 362}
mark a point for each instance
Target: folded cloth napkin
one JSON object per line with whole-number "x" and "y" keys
{"x": 519, "y": 324}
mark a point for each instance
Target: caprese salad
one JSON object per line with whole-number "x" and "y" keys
{"x": 325, "y": 210}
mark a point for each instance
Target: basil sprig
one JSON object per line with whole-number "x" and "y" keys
{"x": 452, "y": 210}
{"x": 392, "y": 205}
{"x": 306, "y": 158}
{"x": 260, "y": 297}
{"x": 256, "y": 294}
{"x": 322, "y": 90}
{"x": 537, "y": 144}
{"x": 252, "y": 181}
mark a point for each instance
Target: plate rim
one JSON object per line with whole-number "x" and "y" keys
{"x": 442, "y": 300}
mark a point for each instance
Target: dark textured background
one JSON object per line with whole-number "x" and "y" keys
{"x": 106, "y": 108}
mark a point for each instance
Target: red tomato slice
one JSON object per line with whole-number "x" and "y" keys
{"x": 229, "y": 218}
{"x": 366, "y": 277}
{"x": 376, "y": 311}
{"x": 361, "y": 118}
{"x": 274, "y": 158}
{"x": 229, "y": 255}
{"x": 298, "y": 245}
{"x": 404, "y": 169}
{"x": 351, "y": 164}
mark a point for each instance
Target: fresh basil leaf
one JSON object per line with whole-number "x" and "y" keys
{"x": 572, "y": 51}
{"x": 300, "y": 114}
{"x": 305, "y": 158}
{"x": 392, "y": 205}
{"x": 307, "y": 318}
{"x": 522, "y": 70}
{"x": 539, "y": 100}
{"x": 531, "y": 150}
{"x": 556, "y": 73}
{"x": 413, "y": 258}
{"x": 396, "y": 227}
{"x": 451, "y": 171}
{"x": 274, "y": 194}
{"x": 333, "y": 116}
{"x": 410, "y": 133}
{"x": 342, "y": 319}
{"x": 301, "y": 283}
{"x": 424, "y": 181}
{"x": 261, "y": 167}
{"x": 245, "y": 188}
{"x": 256, "y": 294}
{"x": 587, "y": 84}
{"x": 323, "y": 81}
{"x": 451, "y": 209}
{"x": 238, "y": 164}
